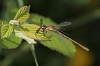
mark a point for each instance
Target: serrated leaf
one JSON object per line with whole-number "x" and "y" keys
{"x": 10, "y": 42}
{"x": 1, "y": 24}
{"x": 66, "y": 47}
{"x": 22, "y": 14}
{"x": 30, "y": 31}
{"x": 6, "y": 30}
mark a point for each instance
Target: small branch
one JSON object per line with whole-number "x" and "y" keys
{"x": 34, "y": 54}
{"x": 21, "y": 3}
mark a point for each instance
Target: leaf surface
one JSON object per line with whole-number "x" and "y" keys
{"x": 6, "y": 30}
{"x": 22, "y": 14}
{"x": 62, "y": 45}
{"x": 10, "y": 42}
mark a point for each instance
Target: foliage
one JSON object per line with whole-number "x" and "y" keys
{"x": 29, "y": 30}
{"x": 23, "y": 14}
{"x": 6, "y": 30}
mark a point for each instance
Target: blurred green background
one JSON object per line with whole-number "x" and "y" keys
{"x": 85, "y": 29}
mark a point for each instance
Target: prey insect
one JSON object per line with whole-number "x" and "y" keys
{"x": 52, "y": 28}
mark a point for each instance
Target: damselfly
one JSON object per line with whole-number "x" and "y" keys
{"x": 52, "y": 28}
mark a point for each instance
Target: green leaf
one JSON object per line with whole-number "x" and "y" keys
{"x": 10, "y": 42}
{"x": 30, "y": 31}
{"x": 60, "y": 44}
{"x": 6, "y": 30}
{"x": 22, "y": 14}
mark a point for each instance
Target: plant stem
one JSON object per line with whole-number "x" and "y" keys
{"x": 33, "y": 52}
{"x": 21, "y": 3}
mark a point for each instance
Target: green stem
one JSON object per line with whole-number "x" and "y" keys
{"x": 21, "y": 3}
{"x": 34, "y": 54}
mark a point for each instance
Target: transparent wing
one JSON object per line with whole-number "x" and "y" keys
{"x": 64, "y": 24}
